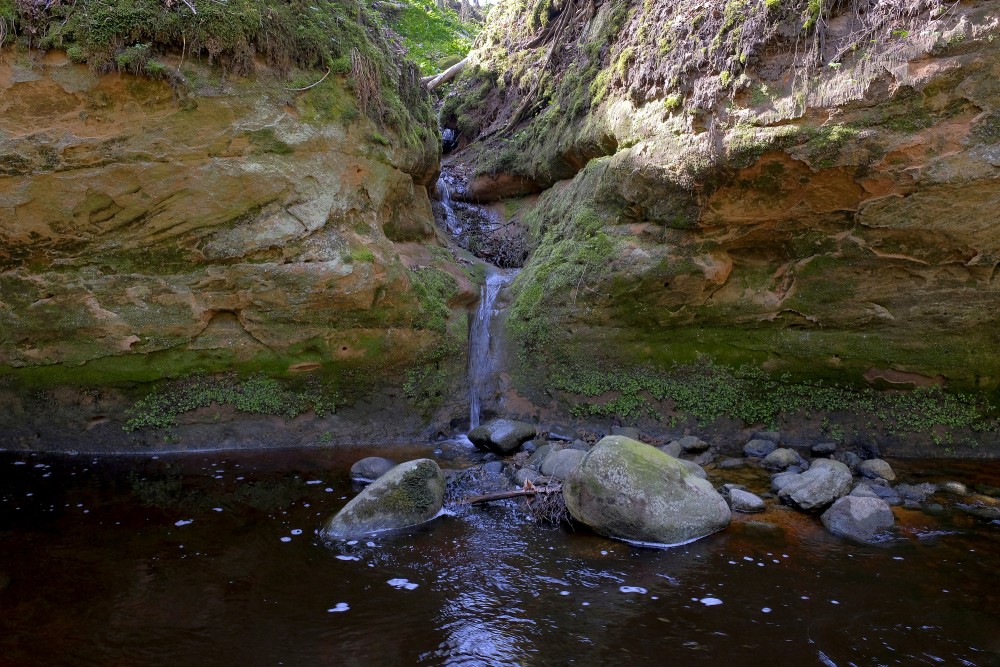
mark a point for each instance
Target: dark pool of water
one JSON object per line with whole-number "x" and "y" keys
{"x": 212, "y": 559}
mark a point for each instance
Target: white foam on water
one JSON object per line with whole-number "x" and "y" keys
{"x": 343, "y": 557}
{"x": 563, "y": 592}
{"x": 216, "y": 509}
{"x": 633, "y": 589}
{"x": 339, "y": 607}
{"x": 766, "y": 610}
{"x": 351, "y": 543}
{"x": 710, "y": 602}
{"x": 20, "y": 463}
{"x": 369, "y": 544}
{"x": 296, "y": 531}
{"x": 315, "y": 481}
{"x": 183, "y": 522}
{"x": 834, "y": 602}
{"x": 286, "y": 539}
{"x": 403, "y": 583}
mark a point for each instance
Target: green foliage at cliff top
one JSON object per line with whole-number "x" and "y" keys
{"x": 431, "y": 35}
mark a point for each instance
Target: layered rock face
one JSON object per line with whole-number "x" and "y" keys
{"x": 710, "y": 189}
{"x": 148, "y": 233}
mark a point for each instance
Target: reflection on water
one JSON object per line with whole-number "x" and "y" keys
{"x": 214, "y": 560}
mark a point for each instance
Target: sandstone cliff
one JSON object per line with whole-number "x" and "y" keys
{"x": 809, "y": 187}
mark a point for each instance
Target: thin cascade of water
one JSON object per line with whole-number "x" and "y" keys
{"x": 450, "y": 219}
{"x": 480, "y": 361}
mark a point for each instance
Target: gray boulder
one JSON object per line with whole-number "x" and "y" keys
{"x": 823, "y": 448}
{"x": 915, "y": 492}
{"x": 849, "y": 459}
{"x": 871, "y": 488}
{"x": 953, "y": 488}
{"x": 691, "y": 443}
{"x": 371, "y": 468}
{"x": 779, "y": 481}
{"x": 746, "y": 502}
{"x": 526, "y": 475}
{"x": 501, "y": 436}
{"x": 560, "y": 463}
{"x": 694, "y": 468}
{"x": 858, "y": 518}
{"x": 672, "y": 448}
{"x": 877, "y": 469}
{"x": 580, "y": 445}
{"x": 759, "y": 448}
{"x": 409, "y": 494}
{"x": 628, "y": 490}
{"x": 539, "y": 455}
{"x": 626, "y": 432}
{"x": 783, "y": 458}
{"x": 817, "y": 487}
{"x": 564, "y": 433}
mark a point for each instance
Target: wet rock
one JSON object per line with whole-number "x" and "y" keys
{"x": 917, "y": 493}
{"x": 796, "y": 469}
{"x": 981, "y": 512}
{"x": 451, "y": 450}
{"x": 563, "y": 433}
{"x": 849, "y": 459}
{"x": 704, "y": 459}
{"x": 629, "y": 490}
{"x": 782, "y": 458}
{"x": 526, "y": 475}
{"x": 371, "y": 468}
{"x": 691, "y": 443}
{"x": 759, "y": 448}
{"x": 672, "y": 448}
{"x": 770, "y": 436}
{"x": 730, "y": 463}
{"x": 779, "y": 481}
{"x": 953, "y": 488}
{"x": 560, "y": 463}
{"x": 579, "y": 445}
{"x": 858, "y": 518}
{"x": 817, "y": 487}
{"x": 746, "y": 502}
{"x": 409, "y": 494}
{"x": 694, "y": 468}
{"x": 493, "y": 467}
{"x": 501, "y": 436}
{"x": 529, "y": 446}
{"x": 823, "y": 448}
{"x": 626, "y": 432}
{"x": 535, "y": 460}
{"x": 872, "y": 488}
{"x": 877, "y": 469}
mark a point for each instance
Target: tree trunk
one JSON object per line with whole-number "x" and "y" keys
{"x": 444, "y": 77}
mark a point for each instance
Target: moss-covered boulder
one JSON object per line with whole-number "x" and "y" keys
{"x": 409, "y": 494}
{"x": 631, "y": 491}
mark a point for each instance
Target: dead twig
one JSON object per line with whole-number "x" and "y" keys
{"x": 312, "y": 85}
{"x": 528, "y": 490}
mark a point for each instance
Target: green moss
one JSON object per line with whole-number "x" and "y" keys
{"x": 434, "y": 288}
{"x": 265, "y": 141}
{"x": 257, "y": 394}
{"x": 706, "y": 391}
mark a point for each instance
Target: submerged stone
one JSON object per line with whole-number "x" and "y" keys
{"x": 409, "y": 494}
{"x": 632, "y": 491}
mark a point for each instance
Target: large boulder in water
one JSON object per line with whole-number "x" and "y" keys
{"x": 409, "y": 494}
{"x": 631, "y": 491}
{"x": 502, "y": 436}
{"x": 817, "y": 487}
{"x": 858, "y": 518}
{"x": 371, "y": 468}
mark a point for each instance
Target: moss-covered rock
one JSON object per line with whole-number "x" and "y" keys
{"x": 410, "y": 494}
{"x": 629, "y": 490}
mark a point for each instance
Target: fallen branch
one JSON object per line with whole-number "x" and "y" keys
{"x": 312, "y": 85}
{"x": 435, "y": 80}
{"x": 517, "y": 493}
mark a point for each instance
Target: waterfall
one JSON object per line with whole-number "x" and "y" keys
{"x": 480, "y": 360}
{"x": 450, "y": 219}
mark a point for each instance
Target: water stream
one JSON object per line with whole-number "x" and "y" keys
{"x": 213, "y": 559}
{"x": 481, "y": 368}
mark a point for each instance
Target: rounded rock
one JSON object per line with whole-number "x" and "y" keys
{"x": 371, "y": 468}
{"x": 410, "y": 494}
{"x": 501, "y": 436}
{"x": 759, "y": 448}
{"x": 782, "y": 458}
{"x": 746, "y": 502}
{"x": 628, "y": 490}
{"x": 858, "y": 518}
{"x": 877, "y": 469}
{"x": 560, "y": 463}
